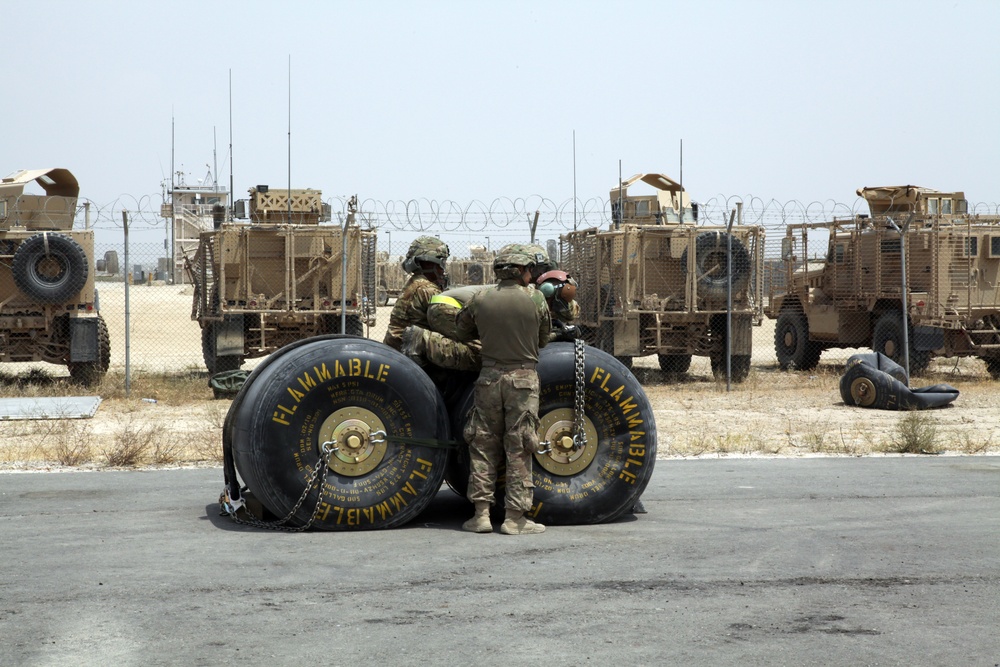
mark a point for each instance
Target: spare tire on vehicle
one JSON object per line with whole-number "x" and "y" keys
{"x": 377, "y": 410}
{"x": 601, "y": 481}
{"x": 712, "y": 276}
{"x": 50, "y": 267}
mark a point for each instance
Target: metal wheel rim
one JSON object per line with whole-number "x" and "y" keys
{"x": 863, "y": 392}
{"x": 556, "y": 427}
{"x": 352, "y": 430}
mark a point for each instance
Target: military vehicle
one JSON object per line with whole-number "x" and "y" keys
{"x": 656, "y": 282}
{"x": 853, "y": 295}
{"x": 476, "y": 269}
{"x": 48, "y": 302}
{"x": 280, "y": 276}
{"x": 391, "y": 277}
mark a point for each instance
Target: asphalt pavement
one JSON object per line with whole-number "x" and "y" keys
{"x": 821, "y": 561}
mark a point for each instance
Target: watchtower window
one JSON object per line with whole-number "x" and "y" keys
{"x": 3, "y": 212}
{"x": 932, "y": 206}
{"x": 945, "y": 206}
{"x": 641, "y": 208}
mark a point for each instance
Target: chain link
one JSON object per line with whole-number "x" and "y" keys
{"x": 579, "y": 430}
{"x": 320, "y": 471}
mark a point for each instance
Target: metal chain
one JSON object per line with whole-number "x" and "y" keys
{"x": 579, "y": 430}
{"x": 320, "y": 471}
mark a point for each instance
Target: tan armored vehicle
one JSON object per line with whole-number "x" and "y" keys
{"x": 658, "y": 283}
{"x": 280, "y": 277}
{"x": 48, "y": 303}
{"x": 853, "y": 296}
{"x": 476, "y": 269}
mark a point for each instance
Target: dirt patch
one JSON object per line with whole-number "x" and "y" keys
{"x": 772, "y": 413}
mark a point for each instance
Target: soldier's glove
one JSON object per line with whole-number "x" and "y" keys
{"x": 568, "y": 333}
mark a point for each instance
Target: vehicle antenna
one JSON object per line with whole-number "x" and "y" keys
{"x": 680, "y": 195}
{"x": 232, "y": 195}
{"x": 574, "y": 180}
{"x": 289, "y": 138}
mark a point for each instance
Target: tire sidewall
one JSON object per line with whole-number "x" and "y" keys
{"x": 275, "y": 431}
{"x": 60, "y": 248}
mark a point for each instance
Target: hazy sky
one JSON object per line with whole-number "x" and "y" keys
{"x": 478, "y": 100}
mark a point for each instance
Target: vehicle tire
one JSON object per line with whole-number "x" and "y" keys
{"x": 674, "y": 364}
{"x": 353, "y": 324}
{"x": 111, "y": 262}
{"x": 792, "y": 346}
{"x": 865, "y": 386}
{"x": 89, "y": 373}
{"x": 887, "y": 338}
{"x": 710, "y": 250}
{"x": 739, "y": 367}
{"x": 50, "y": 267}
{"x": 346, "y": 390}
{"x": 993, "y": 367}
{"x": 602, "y": 481}
{"x": 381, "y": 296}
{"x": 213, "y": 362}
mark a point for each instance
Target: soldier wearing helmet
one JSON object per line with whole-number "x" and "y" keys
{"x": 512, "y": 323}
{"x": 426, "y": 260}
{"x": 559, "y": 290}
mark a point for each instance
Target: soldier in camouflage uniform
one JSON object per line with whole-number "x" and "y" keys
{"x": 439, "y": 345}
{"x": 426, "y": 259}
{"x": 512, "y": 322}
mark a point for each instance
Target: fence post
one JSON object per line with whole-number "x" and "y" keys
{"x": 128, "y": 369}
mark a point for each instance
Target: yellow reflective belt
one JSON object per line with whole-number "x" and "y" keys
{"x": 447, "y": 300}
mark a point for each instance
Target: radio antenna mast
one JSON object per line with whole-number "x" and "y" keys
{"x": 232, "y": 195}
{"x": 289, "y": 138}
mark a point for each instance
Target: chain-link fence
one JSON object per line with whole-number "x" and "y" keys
{"x": 653, "y": 298}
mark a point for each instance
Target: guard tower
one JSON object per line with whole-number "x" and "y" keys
{"x": 188, "y": 212}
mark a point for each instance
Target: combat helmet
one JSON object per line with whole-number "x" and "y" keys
{"x": 542, "y": 261}
{"x": 511, "y": 256}
{"x": 425, "y": 249}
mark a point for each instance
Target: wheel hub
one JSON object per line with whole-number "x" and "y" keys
{"x": 556, "y": 427}
{"x": 357, "y": 438}
{"x": 789, "y": 339}
{"x": 863, "y": 392}
{"x": 890, "y": 348}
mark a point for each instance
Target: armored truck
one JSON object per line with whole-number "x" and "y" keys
{"x": 274, "y": 273}
{"x": 48, "y": 302}
{"x": 853, "y": 294}
{"x": 656, "y": 282}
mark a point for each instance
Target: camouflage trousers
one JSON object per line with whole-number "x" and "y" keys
{"x": 503, "y": 428}
{"x": 440, "y": 346}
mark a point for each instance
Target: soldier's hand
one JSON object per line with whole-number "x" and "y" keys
{"x": 567, "y": 333}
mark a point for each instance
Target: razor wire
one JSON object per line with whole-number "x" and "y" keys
{"x": 424, "y": 215}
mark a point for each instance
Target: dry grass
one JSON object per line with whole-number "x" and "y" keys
{"x": 771, "y": 413}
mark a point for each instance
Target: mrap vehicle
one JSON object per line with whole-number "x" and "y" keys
{"x": 852, "y": 296}
{"x": 48, "y": 302}
{"x": 279, "y": 277}
{"x": 656, "y": 282}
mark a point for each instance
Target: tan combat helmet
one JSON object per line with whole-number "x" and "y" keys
{"x": 426, "y": 249}
{"x": 511, "y": 256}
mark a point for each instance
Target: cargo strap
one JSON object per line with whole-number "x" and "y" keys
{"x": 422, "y": 442}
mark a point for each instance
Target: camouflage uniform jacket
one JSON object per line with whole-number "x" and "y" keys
{"x": 492, "y": 316}
{"x": 410, "y": 308}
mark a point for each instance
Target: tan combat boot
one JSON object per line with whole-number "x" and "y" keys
{"x": 515, "y": 523}
{"x": 480, "y": 521}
